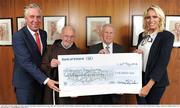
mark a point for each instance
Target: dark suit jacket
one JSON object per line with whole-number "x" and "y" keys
{"x": 27, "y": 59}
{"x": 110, "y": 98}
{"x": 159, "y": 56}
{"x": 96, "y": 48}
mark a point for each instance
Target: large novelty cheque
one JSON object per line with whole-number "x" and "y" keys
{"x": 95, "y": 74}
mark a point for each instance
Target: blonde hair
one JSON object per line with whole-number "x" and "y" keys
{"x": 31, "y": 6}
{"x": 160, "y": 15}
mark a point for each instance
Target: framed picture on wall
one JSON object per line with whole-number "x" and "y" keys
{"x": 137, "y": 28}
{"x": 93, "y": 28}
{"x": 20, "y": 22}
{"x": 53, "y": 26}
{"x": 5, "y": 31}
{"x": 173, "y": 25}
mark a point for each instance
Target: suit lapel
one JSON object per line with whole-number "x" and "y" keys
{"x": 30, "y": 40}
{"x": 29, "y": 36}
{"x": 154, "y": 49}
{"x": 114, "y": 48}
{"x": 101, "y": 46}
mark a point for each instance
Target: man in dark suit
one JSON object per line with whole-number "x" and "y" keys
{"x": 106, "y": 47}
{"x": 29, "y": 44}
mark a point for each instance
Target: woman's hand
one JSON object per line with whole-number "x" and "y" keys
{"x": 145, "y": 90}
{"x": 138, "y": 51}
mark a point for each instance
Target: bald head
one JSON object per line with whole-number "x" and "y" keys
{"x": 68, "y": 35}
{"x": 67, "y": 28}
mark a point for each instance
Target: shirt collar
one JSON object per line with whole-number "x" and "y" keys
{"x": 154, "y": 34}
{"x": 66, "y": 47}
{"x": 110, "y": 45}
{"x": 32, "y": 32}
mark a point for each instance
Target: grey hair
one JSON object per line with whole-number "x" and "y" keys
{"x": 31, "y": 6}
{"x": 106, "y": 25}
{"x": 68, "y": 27}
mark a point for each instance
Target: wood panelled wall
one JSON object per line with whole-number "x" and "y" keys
{"x": 121, "y": 12}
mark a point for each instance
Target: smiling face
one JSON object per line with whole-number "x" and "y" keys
{"x": 107, "y": 35}
{"x": 68, "y": 36}
{"x": 33, "y": 19}
{"x": 152, "y": 21}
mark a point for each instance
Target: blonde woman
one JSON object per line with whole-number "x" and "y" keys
{"x": 155, "y": 45}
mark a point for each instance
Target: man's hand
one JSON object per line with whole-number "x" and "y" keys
{"x": 54, "y": 63}
{"x": 103, "y": 51}
{"x": 52, "y": 84}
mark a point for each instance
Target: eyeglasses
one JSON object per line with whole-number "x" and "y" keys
{"x": 146, "y": 39}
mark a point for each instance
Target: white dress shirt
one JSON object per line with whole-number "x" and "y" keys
{"x": 145, "y": 46}
{"x": 110, "y": 47}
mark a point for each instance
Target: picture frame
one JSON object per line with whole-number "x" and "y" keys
{"x": 137, "y": 28}
{"x": 93, "y": 28}
{"x": 53, "y": 26}
{"x": 5, "y": 31}
{"x": 20, "y": 21}
{"x": 173, "y": 25}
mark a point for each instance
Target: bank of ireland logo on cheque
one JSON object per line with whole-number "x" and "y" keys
{"x": 89, "y": 58}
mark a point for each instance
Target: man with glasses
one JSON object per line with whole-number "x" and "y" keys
{"x": 63, "y": 46}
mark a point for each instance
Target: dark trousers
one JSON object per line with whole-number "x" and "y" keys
{"x": 27, "y": 96}
{"x": 72, "y": 100}
{"x": 153, "y": 97}
{"x": 106, "y": 99}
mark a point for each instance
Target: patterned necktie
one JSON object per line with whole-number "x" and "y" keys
{"x": 38, "y": 41}
{"x": 107, "y": 48}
